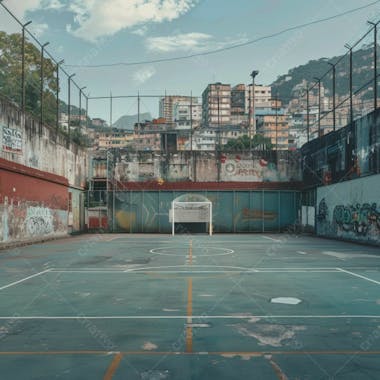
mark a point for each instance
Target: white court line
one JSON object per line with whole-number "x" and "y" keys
{"x": 186, "y": 266}
{"x": 246, "y": 271}
{"x": 269, "y": 238}
{"x": 302, "y": 252}
{"x": 358, "y": 275}
{"x": 25, "y": 279}
{"x": 203, "y": 317}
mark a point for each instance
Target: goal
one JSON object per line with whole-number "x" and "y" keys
{"x": 191, "y": 212}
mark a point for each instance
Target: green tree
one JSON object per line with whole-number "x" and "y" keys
{"x": 10, "y": 76}
{"x": 243, "y": 143}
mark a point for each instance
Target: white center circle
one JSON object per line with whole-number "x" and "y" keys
{"x": 205, "y": 252}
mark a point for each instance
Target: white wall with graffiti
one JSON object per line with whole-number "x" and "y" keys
{"x": 350, "y": 210}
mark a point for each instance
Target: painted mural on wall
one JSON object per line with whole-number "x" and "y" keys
{"x": 350, "y": 210}
{"x": 254, "y": 170}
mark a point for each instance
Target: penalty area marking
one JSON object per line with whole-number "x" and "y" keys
{"x": 25, "y": 279}
{"x": 173, "y": 269}
{"x": 165, "y": 251}
{"x": 269, "y": 238}
{"x": 359, "y": 276}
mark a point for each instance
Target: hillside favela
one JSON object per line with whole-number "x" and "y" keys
{"x": 189, "y": 189}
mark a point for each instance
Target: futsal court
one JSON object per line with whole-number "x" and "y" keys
{"x": 151, "y": 307}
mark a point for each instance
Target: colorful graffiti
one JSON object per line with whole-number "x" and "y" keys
{"x": 357, "y": 218}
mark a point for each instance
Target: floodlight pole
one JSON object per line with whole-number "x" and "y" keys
{"x": 42, "y": 84}
{"x": 210, "y": 226}
{"x": 333, "y": 91}
{"x": 173, "y": 213}
{"x": 57, "y": 94}
{"x": 347, "y": 46}
{"x": 318, "y": 80}
{"x": 23, "y": 66}
{"x": 374, "y": 24}
{"x": 69, "y": 103}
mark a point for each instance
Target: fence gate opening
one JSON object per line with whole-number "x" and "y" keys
{"x": 191, "y": 208}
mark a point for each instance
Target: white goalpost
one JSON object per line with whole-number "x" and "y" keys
{"x": 191, "y": 212}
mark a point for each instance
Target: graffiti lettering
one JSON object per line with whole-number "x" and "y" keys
{"x": 358, "y": 218}
{"x": 39, "y": 221}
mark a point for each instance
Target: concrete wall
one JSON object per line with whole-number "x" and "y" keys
{"x": 350, "y": 210}
{"x": 206, "y": 167}
{"x": 38, "y": 172}
{"x": 39, "y": 147}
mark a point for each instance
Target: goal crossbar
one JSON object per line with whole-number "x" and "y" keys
{"x": 191, "y": 212}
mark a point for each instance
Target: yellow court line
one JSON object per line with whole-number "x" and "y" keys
{"x": 113, "y": 366}
{"x": 189, "y": 328}
{"x": 278, "y": 371}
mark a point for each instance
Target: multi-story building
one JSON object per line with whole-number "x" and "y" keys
{"x": 276, "y": 128}
{"x": 263, "y": 96}
{"x": 216, "y": 105}
{"x": 114, "y": 139}
{"x": 187, "y": 115}
{"x": 168, "y": 103}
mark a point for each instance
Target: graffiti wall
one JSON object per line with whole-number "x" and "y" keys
{"x": 350, "y": 210}
{"x": 32, "y": 205}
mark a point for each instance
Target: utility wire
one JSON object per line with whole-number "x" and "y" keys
{"x": 269, "y": 36}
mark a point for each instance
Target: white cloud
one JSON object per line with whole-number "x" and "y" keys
{"x": 188, "y": 41}
{"x": 38, "y": 29}
{"x": 142, "y": 75}
{"x": 93, "y": 19}
{"x": 52, "y": 4}
{"x": 194, "y": 42}
{"x": 140, "y": 31}
{"x": 98, "y": 18}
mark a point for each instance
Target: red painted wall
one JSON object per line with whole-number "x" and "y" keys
{"x": 20, "y": 183}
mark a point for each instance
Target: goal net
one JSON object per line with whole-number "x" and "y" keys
{"x": 191, "y": 212}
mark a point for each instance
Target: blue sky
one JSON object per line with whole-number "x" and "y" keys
{"x": 98, "y": 31}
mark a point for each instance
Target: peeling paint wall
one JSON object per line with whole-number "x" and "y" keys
{"x": 24, "y": 141}
{"x": 350, "y": 210}
{"x": 38, "y": 170}
{"x": 205, "y": 166}
{"x": 31, "y": 207}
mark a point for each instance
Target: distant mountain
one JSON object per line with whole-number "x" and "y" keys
{"x": 288, "y": 85}
{"x": 129, "y": 121}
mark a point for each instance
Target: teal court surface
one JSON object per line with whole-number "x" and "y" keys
{"x": 190, "y": 307}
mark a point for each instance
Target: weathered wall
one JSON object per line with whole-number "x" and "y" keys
{"x": 38, "y": 172}
{"x": 233, "y": 211}
{"x": 26, "y": 143}
{"x": 350, "y": 210}
{"x": 31, "y": 206}
{"x": 207, "y": 166}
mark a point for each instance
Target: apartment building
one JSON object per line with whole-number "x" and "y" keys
{"x": 216, "y": 105}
